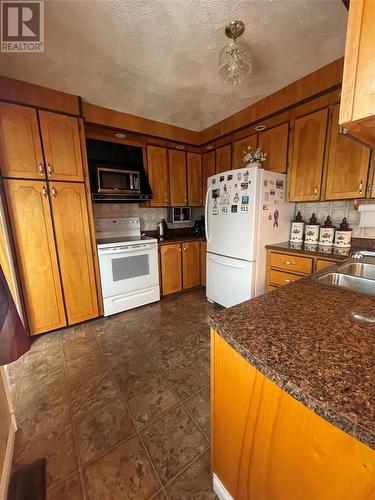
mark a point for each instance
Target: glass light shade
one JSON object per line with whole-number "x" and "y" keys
{"x": 235, "y": 63}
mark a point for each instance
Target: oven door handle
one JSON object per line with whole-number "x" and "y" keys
{"x": 131, "y": 249}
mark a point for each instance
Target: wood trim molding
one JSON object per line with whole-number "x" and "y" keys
{"x": 110, "y": 118}
{"x": 35, "y": 95}
{"x": 321, "y": 80}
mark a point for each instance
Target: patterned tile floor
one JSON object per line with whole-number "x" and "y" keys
{"x": 119, "y": 406}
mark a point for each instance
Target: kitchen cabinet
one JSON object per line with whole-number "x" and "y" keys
{"x": 238, "y": 150}
{"x": 31, "y": 223}
{"x": 357, "y": 108}
{"x": 284, "y": 268}
{"x": 208, "y": 169}
{"x": 157, "y": 169}
{"x": 177, "y": 178}
{"x": 274, "y": 142}
{"x": 223, "y": 158}
{"x": 20, "y": 146}
{"x": 194, "y": 179}
{"x": 61, "y": 143}
{"x": 307, "y": 156}
{"x": 203, "y": 251}
{"x": 268, "y": 445}
{"x": 190, "y": 264}
{"x": 171, "y": 268}
{"x": 348, "y": 165}
{"x": 68, "y": 201}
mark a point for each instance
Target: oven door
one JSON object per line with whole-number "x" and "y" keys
{"x": 129, "y": 268}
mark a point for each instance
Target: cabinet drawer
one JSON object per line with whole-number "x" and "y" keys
{"x": 281, "y": 278}
{"x": 291, "y": 262}
{"x": 323, "y": 264}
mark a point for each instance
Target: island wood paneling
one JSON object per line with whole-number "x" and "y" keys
{"x": 268, "y": 446}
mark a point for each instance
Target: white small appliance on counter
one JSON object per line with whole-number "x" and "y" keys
{"x": 128, "y": 263}
{"x": 245, "y": 210}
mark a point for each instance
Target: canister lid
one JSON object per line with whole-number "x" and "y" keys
{"x": 313, "y": 220}
{"x": 298, "y": 217}
{"x": 344, "y": 226}
{"x": 328, "y": 222}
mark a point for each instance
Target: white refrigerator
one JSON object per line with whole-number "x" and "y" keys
{"x": 245, "y": 210}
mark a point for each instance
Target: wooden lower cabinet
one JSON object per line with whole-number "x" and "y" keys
{"x": 31, "y": 222}
{"x": 321, "y": 264}
{"x": 68, "y": 200}
{"x": 268, "y": 446}
{"x": 190, "y": 264}
{"x": 180, "y": 266}
{"x": 203, "y": 252}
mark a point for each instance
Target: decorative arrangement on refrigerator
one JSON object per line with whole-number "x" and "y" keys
{"x": 245, "y": 210}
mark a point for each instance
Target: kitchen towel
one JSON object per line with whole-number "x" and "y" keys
{"x": 14, "y": 341}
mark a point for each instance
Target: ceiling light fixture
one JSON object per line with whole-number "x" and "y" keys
{"x": 180, "y": 146}
{"x": 258, "y": 128}
{"x": 209, "y": 147}
{"x": 120, "y": 136}
{"x": 235, "y": 60}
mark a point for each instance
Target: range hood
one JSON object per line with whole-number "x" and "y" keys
{"x": 117, "y": 173}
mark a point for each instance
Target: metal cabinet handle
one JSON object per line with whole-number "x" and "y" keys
{"x": 286, "y": 280}
{"x": 41, "y": 168}
{"x": 44, "y": 192}
{"x": 316, "y": 189}
{"x": 179, "y": 249}
{"x": 360, "y": 186}
{"x": 49, "y": 169}
{"x": 289, "y": 263}
{"x": 184, "y": 249}
{"x": 53, "y": 192}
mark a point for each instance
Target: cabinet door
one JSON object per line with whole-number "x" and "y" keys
{"x": 177, "y": 178}
{"x": 194, "y": 176}
{"x": 348, "y": 165}
{"x": 31, "y": 222}
{"x": 274, "y": 142}
{"x": 190, "y": 264}
{"x": 208, "y": 169}
{"x": 203, "y": 250}
{"x": 73, "y": 243}
{"x": 223, "y": 158}
{"x": 171, "y": 268}
{"x": 157, "y": 165}
{"x": 61, "y": 143}
{"x": 323, "y": 264}
{"x": 20, "y": 148}
{"x": 238, "y": 150}
{"x": 305, "y": 172}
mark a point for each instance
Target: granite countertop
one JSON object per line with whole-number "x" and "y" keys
{"x": 321, "y": 251}
{"x": 304, "y": 338}
{"x": 176, "y": 236}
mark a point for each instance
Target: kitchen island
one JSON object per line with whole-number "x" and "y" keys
{"x": 293, "y": 395}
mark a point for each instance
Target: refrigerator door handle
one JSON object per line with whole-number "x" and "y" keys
{"x": 212, "y": 259}
{"x": 206, "y": 216}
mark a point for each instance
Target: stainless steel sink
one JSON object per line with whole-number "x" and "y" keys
{"x": 355, "y": 283}
{"x": 360, "y": 269}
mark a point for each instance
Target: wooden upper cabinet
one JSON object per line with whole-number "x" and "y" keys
{"x": 348, "y": 165}
{"x": 190, "y": 264}
{"x": 171, "y": 268}
{"x": 274, "y": 142}
{"x": 177, "y": 178}
{"x": 307, "y": 156}
{"x": 208, "y": 169}
{"x": 61, "y": 143}
{"x": 357, "y": 107}
{"x": 20, "y": 148}
{"x": 31, "y": 222}
{"x": 223, "y": 158}
{"x": 69, "y": 208}
{"x": 157, "y": 169}
{"x": 238, "y": 150}
{"x": 194, "y": 179}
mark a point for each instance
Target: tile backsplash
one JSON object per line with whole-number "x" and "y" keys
{"x": 337, "y": 210}
{"x": 149, "y": 216}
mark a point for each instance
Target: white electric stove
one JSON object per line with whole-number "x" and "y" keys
{"x": 128, "y": 262}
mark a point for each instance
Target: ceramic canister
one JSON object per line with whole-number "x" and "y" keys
{"x": 327, "y": 233}
{"x": 296, "y": 230}
{"x": 343, "y": 235}
{"x": 312, "y": 231}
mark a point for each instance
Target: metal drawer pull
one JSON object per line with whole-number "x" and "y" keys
{"x": 53, "y": 192}
{"x": 41, "y": 169}
{"x": 44, "y": 191}
{"x": 286, "y": 280}
{"x": 360, "y": 186}
{"x": 316, "y": 189}
{"x": 289, "y": 263}
{"x": 49, "y": 169}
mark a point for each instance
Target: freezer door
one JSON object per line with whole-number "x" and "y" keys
{"x": 229, "y": 281}
{"x": 230, "y": 213}
{"x": 274, "y": 217}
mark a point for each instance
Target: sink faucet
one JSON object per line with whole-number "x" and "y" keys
{"x": 362, "y": 253}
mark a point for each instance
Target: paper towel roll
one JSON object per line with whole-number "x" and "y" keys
{"x": 367, "y": 215}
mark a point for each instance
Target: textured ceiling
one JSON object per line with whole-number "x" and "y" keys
{"x": 158, "y": 58}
